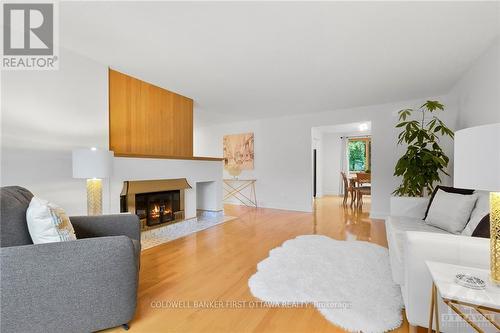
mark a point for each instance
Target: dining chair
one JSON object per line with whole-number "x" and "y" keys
{"x": 348, "y": 188}
{"x": 363, "y": 178}
{"x": 363, "y": 187}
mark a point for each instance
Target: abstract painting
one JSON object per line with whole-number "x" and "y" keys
{"x": 238, "y": 151}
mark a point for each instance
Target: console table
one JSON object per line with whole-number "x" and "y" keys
{"x": 482, "y": 301}
{"x": 234, "y": 188}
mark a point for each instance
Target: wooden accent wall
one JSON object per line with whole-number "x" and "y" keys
{"x": 146, "y": 120}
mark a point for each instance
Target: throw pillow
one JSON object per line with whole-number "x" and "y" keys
{"x": 448, "y": 189}
{"x": 450, "y": 211}
{"x": 483, "y": 228}
{"x": 481, "y": 209}
{"x": 48, "y": 222}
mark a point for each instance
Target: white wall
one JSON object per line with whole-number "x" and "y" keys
{"x": 283, "y": 167}
{"x": 331, "y": 143}
{"x": 478, "y": 91}
{"x": 46, "y": 114}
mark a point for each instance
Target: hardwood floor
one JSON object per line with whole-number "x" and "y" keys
{"x": 215, "y": 264}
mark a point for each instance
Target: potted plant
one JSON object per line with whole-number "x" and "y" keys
{"x": 424, "y": 161}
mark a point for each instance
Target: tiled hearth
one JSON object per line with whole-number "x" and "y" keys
{"x": 205, "y": 220}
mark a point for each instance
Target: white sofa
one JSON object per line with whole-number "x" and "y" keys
{"x": 412, "y": 242}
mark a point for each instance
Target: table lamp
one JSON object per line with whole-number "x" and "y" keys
{"x": 94, "y": 165}
{"x": 477, "y": 166}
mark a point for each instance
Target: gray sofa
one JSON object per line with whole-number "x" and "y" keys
{"x": 78, "y": 286}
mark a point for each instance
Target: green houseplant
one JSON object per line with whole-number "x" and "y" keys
{"x": 424, "y": 160}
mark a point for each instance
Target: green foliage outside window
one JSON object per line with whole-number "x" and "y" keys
{"x": 357, "y": 156}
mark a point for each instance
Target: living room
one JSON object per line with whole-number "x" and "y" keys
{"x": 240, "y": 115}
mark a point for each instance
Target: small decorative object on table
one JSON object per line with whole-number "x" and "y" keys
{"x": 234, "y": 170}
{"x": 470, "y": 281}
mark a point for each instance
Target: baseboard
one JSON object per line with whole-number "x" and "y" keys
{"x": 336, "y": 193}
{"x": 282, "y": 206}
{"x": 277, "y": 205}
{"x": 379, "y": 215}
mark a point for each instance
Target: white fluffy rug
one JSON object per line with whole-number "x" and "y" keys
{"x": 349, "y": 282}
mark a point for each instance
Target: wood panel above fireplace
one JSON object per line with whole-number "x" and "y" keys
{"x": 148, "y": 120}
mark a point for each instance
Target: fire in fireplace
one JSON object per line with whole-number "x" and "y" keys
{"x": 156, "y": 202}
{"x": 159, "y": 207}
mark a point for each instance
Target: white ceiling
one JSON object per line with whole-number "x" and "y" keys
{"x": 256, "y": 59}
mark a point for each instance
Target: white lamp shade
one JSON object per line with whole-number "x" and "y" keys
{"x": 92, "y": 163}
{"x": 477, "y": 158}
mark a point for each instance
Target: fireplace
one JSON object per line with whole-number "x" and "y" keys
{"x": 158, "y": 207}
{"x": 155, "y": 202}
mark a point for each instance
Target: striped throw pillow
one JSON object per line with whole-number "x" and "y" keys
{"x": 48, "y": 222}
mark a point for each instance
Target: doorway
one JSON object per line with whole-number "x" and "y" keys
{"x": 339, "y": 148}
{"x": 315, "y": 177}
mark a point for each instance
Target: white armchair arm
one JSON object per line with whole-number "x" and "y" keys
{"x": 424, "y": 246}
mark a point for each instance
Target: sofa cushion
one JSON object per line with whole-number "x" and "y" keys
{"x": 447, "y": 189}
{"x": 14, "y": 201}
{"x": 48, "y": 222}
{"x": 483, "y": 228}
{"x": 451, "y": 211}
{"x": 480, "y": 210}
{"x": 396, "y": 228}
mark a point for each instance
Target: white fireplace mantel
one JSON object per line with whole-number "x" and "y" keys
{"x": 204, "y": 176}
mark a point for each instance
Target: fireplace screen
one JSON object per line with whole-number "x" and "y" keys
{"x": 157, "y": 207}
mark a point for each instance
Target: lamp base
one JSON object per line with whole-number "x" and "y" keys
{"x": 94, "y": 197}
{"x": 495, "y": 237}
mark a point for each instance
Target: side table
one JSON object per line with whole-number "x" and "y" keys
{"x": 233, "y": 187}
{"x": 455, "y": 295}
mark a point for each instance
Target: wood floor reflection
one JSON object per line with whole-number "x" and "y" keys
{"x": 333, "y": 219}
{"x": 215, "y": 264}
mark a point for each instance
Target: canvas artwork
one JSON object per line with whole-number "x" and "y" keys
{"x": 238, "y": 151}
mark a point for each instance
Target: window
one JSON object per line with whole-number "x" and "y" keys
{"x": 359, "y": 154}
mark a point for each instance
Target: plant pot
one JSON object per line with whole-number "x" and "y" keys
{"x": 409, "y": 206}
